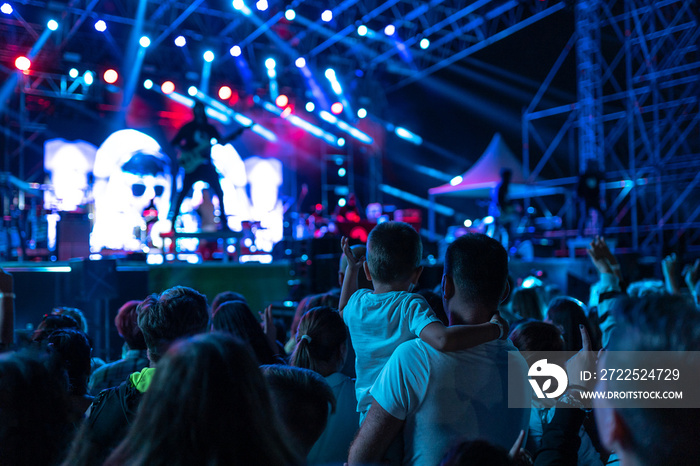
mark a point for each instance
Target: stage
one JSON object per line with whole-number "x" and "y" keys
{"x": 100, "y": 287}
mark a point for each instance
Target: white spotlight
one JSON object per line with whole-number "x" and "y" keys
{"x": 310, "y": 107}
{"x": 327, "y": 16}
{"x": 390, "y": 30}
{"x": 270, "y": 64}
{"x": 6, "y": 8}
{"x": 100, "y": 26}
{"x": 208, "y": 56}
{"x": 290, "y": 15}
{"x": 362, "y": 30}
{"x": 361, "y": 113}
{"x": 52, "y": 24}
{"x": 300, "y": 62}
{"x": 424, "y": 43}
{"x": 192, "y": 91}
{"x": 180, "y": 41}
{"x": 144, "y": 41}
{"x": 73, "y": 73}
{"x": 330, "y": 74}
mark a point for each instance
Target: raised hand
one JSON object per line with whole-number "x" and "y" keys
{"x": 354, "y": 263}
{"x": 599, "y": 254}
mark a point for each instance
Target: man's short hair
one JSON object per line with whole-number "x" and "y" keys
{"x": 177, "y": 313}
{"x": 301, "y": 398}
{"x": 659, "y": 436}
{"x": 394, "y": 251}
{"x": 478, "y": 266}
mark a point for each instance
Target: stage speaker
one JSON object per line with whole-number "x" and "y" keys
{"x": 73, "y": 236}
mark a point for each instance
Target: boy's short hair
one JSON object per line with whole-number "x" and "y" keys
{"x": 478, "y": 265}
{"x": 394, "y": 251}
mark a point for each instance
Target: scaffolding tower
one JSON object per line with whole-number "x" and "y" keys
{"x": 636, "y": 116}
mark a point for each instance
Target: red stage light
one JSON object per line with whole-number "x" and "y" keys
{"x": 337, "y": 108}
{"x": 282, "y": 101}
{"x": 287, "y": 111}
{"x": 225, "y": 92}
{"x": 22, "y": 63}
{"x": 167, "y": 87}
{"x": 110, "y": 76}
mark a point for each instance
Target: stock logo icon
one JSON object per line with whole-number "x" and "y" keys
{"x": 546, "y": 372}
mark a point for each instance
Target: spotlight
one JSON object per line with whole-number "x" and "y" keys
{"x": 282, "y": 101}
{"x": 238, "y": 5}
{"x": 341, "y": 142}
{"x": 6, "y": 8}
{"x": 290, "y": 15}
{"x": 110, "y": 76}
{"x": 225, "y": 93}
{"x": 342, "y": 202}
{"x": 167, "y": 87}
{"x": 88, "y": 77}
{"x": 330, "y": 74}
{"x": 73, "y": 73}
{"x": 22, "y": 63}
{"x": 144, "y": 41}
{"x": 362, "y": 30}
{"x": 300, "y": 62}
{"x": 337, "y": 108}
{"x": 456, "y": 180}
{"x": 424, "y": 43}
{"x": 52, "y": 24}
{"x": 100, "y": 26}
{"x": 327, "y": 16}
{"x": 261, "y": 5}
{"x": 235, "y": 51}
{"x": 270, "y": 64}
{"x": 468, "y": 223}
{"x": 310, "y": 107}
{"x": 192, "y": 91}
{"x": 341, "y": 172}
{"x": 390, "y": 30}
{"x": 180, "y": 41}
{"x": 208, "y": 56}
{"x": 361, "y": 113}
{"x": 148, "y": 84}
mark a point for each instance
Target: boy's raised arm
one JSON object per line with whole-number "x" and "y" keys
{"x": 350, "y": 279}
{"x": 459, "y": 337}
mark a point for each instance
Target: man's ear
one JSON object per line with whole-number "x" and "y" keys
{"x": 614, "y": 432}
{"x": 365, "y": 265}
{"x": 506, "y": 291}
{"x": 448, "y": 287}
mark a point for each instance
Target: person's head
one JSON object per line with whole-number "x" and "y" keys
{"x": 51, "y": 322}
{"x": 301, "y": 398}
{"x": 321, "y": 341}
{"x": 74, "y": 349}
{"x": 476, "y": 453}
{"x": 394, "y": 252}
{"x": 358, "y": 250}
{"x": 527, "y": 303}
{"x": 34, "y": 409}
{"x": 76, "y": 314}
{"x": 236, "y": 318}
{"x": 568, "y": 313}
{"x": 208, "y": 404}
{"x": 176, "y": 313}
{"x": 650, "y": 436}
{"x": 199, "y": 112}
{"x": 127, "y": 323}
{"x": 475, "y": 273}
{"x": 225, "y": 296}
{"x": 506, "y": 175}
{"x": 535, "y": 335}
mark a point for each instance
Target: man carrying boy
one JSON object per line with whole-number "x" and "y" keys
{"x": 439, "y": 398}
{"x": 380, "y": 320}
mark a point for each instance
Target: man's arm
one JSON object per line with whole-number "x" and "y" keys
{"x": 377, "y": 432}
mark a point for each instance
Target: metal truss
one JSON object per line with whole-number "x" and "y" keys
{"x": 637, "y": 116}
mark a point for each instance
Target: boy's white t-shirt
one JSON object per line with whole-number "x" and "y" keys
{"x": 378, "y": 324}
